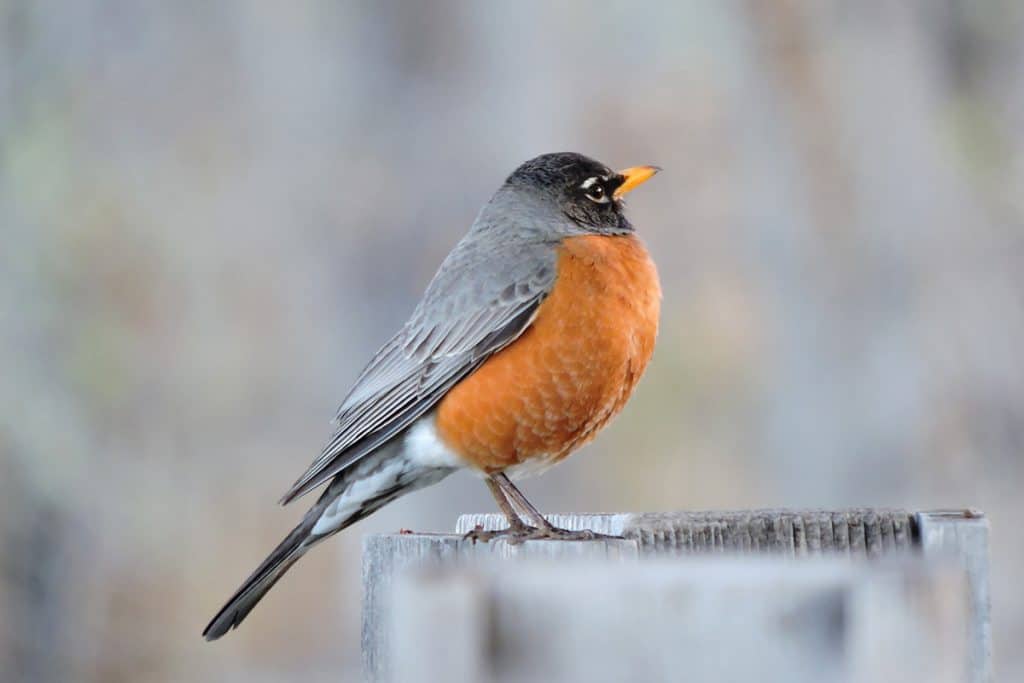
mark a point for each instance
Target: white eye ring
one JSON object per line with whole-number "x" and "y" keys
{"x": 598, "y": 194}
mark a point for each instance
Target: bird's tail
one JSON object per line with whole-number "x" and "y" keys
{"x": 351, "y": 496}
{"x": 263, "y": 579}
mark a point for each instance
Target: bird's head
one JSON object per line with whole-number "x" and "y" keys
{"x": 575, "y": 194}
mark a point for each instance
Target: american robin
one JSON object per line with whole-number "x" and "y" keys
{"x": 529, "y": 339}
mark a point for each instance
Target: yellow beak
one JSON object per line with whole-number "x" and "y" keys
{"x": 635, "y": 176}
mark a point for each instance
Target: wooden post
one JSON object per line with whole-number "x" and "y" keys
{"x": 963, "y": 536}
{"x": 466, "y": 578}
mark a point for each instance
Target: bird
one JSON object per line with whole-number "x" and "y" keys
{"x": 528, "y": 340}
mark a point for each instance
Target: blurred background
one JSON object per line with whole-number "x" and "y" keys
{"x": 211, "y": 214}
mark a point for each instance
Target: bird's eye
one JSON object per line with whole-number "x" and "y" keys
{"x": 594, "y": 190}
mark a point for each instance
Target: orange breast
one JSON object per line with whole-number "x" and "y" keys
{"x": 571, "y": 371}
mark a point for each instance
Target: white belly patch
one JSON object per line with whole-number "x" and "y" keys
{"x": 423, "y": 446}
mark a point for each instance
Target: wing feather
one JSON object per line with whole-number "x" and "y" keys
{"x": 483, "y": 297}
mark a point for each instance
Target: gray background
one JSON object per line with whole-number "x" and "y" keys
{"x": 212, "y": 214}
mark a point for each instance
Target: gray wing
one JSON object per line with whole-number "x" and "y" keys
{"x": 482, "y": 298}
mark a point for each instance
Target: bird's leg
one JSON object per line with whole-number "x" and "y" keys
{"x": 506, "y": 506}
{"x": 508, "y": 498}
{"x": 544, "y": 528}
{"x": 516, "y": 497}
{"x": 517, "y": 530}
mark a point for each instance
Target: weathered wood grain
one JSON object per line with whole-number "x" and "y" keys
{"x": 855, "y": 532}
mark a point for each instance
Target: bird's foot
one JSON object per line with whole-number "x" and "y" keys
{"x": 554, "y": 533}
{"x": 515, "y": 534}
{"x": 519, "y": 533}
